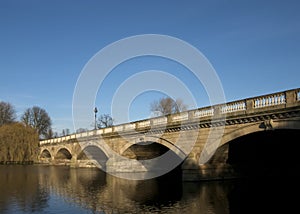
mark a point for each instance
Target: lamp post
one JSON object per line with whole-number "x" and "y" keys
{"x": 95, "y": 110}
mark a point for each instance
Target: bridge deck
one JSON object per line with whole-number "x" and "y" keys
{"x": 276, "y": 104}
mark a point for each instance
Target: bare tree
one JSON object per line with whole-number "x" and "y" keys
{"x": 7, "y": 113}
{"x": 167, "y": 105}
{"x": 38, "y": 119}
{"x": 65, "y": 132}
{"x": 50, "y": 133}
{"x": 180, "y": 106}
{"x": 105, "y": 120}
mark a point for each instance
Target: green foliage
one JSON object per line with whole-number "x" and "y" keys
{"x": 18, "y": 143}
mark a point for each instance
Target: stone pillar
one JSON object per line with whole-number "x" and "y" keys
{"x": 291, "y": 98}
{"x": 249, "y": 106}
{"x": 217, "y": 110}
{"x": 73, "y": 162}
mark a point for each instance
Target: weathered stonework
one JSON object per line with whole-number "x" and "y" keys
{"x": 185, "y": 134}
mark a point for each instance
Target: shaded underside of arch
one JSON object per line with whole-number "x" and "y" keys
{"x": 145, "y": 150}
{"x": 97, "y": 145}
{"x": 45, "y": 154}
{"x": 268, "y": 147}
{"x": 262, "y": 153}
{"x": 63, "y": 153}
{"x": 94, "y": 154}
{"x": 155, "y": 157}
{"x": 268, "y": 125}
{"x": 154, "y": 144}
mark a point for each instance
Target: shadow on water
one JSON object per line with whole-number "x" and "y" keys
{"x": 159, "y": 192}
{"x": 265, "y": 195}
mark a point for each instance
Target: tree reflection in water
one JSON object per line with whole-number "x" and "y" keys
{"x": 20, "y": 185}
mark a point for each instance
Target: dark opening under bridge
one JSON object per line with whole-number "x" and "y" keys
{"x": 254, "y": 136}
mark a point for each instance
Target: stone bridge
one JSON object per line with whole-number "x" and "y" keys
{"x": 257, "y": 136}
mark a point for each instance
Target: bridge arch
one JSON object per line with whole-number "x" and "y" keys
{"x": 96, "y": 153}
{"x": 152, "y": 139}
{"x": 103, "y": 147}
{"x": 261, "y": 149}
{"x": 247, "y": 129}
{"x": 63, "y": 153}
{"x": 154, "y": 156}
{"x": 260, "y": 126}
{"x": 45, "y": 154}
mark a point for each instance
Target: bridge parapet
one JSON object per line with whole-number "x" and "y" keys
{"x": 143, "y": 124}
{"x": 254, "y": 105}
{"x": 234, "y": 107}
{"x": 204, "y": 112}
{"x": 270, "y": 100}
{"x": 159, "y": 120}
{"x": 179, "y": 117}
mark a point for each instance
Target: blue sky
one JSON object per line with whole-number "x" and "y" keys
{"x": 254, "y": 46}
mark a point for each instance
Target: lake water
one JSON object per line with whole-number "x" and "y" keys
{"x": 59, "y": 189}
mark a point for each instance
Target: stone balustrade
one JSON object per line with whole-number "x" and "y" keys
{"x": 180, "y": 117}
{"x": 159, "y": 121}
{"x": 203, "y": 112}
{"x": 233, "y": 107}
{"x": 143, "y": 124}
{"x": 270, "y": 100}
{"x": 255, "y": 104}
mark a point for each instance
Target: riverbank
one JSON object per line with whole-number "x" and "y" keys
{"x": 16, "y": 162}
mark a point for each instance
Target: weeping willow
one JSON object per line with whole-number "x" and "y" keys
{"x": 18, "y": 143}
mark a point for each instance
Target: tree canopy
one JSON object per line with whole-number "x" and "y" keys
{"x": 18, "y": 142}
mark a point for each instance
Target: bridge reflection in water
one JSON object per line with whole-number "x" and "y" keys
{"x": 60, "y": 189}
